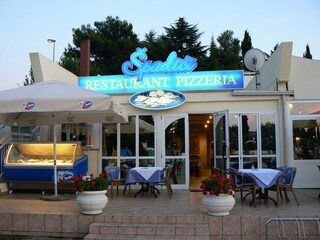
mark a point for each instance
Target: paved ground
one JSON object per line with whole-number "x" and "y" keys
{"x": 183, "y": 203}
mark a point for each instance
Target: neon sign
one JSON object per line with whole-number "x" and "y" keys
{"x": 173, "y": 64}
{"x": 195, "y": 81}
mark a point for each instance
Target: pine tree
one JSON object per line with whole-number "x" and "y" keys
{"x": 246, "y": 45}
{"x": 307, "y": 53}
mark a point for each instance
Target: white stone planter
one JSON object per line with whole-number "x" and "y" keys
{"x": 218, "y": 205}
{"x": 92, "y": 202}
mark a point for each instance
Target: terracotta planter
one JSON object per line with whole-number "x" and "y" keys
{"x": 218, "y": 205}
{"x": 92, "y": 202}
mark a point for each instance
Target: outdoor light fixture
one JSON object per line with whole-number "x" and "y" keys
{"x": 54, "y": 46}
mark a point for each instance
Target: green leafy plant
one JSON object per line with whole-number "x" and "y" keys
{"x": 90, "y": 183}
{"x": 215, "y": 184}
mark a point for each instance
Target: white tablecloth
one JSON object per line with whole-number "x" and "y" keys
{"x": 146, "y": 172}
{"x": 265, "y": 176}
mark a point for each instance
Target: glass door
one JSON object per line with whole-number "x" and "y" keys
{"x": 174, "y": 138}
{"x": 221, "y": 139}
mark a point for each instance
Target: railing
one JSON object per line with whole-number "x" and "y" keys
{"x": 285, "y": 231}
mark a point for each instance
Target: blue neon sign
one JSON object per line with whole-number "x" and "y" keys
{"x": 142, "y": 66}
{"x": 194, "y": 81}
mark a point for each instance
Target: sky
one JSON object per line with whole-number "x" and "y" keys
{"x": 26, "y": 25}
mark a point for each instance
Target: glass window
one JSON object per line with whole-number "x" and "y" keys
{"x": 109, "y": 145}
{"x": 175, "y": 147}
{"x": 268, "y": 134}
{"x": 234, "y": 162}
{"x": 304, "y": 108}
{"x": 174, "y": 138}
{"x": 249, "y": 134}
{"x": 261, "y": 152}
{"x": 146, "y": 136}
{"x": 250, "y": 162}
{"x": 269, "y": 162}
{"x": 74, "y": 132}
{"x": 306, "y": 139}
{"x": 127, "y": 139}
{"x": 233, "y": 134}
{"x": 146, "y": 162}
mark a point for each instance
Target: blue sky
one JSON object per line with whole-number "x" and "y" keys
{"x": 27, "y": 24}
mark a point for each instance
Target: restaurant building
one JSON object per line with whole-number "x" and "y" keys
{"x": 198, "y": 120}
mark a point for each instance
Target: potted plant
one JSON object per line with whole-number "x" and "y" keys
{"x": 91, "y": 193}
{"x": 218, "y": 194}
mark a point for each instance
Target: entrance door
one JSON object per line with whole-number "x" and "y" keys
{"x": 173, "y": 139}
{"x": 221, "y": 139}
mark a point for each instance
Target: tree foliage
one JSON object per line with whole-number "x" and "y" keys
{"x": 112, "y": 41}
{"x": 228, "y": 53}
{"x": 246, "y": 44}
{"x": 28, "y": 80}
{"x": 307, "y": 53}
{"x": 184, "y": 38}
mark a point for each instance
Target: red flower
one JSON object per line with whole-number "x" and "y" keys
{"x": 215, "y": 184}
{"x": 89, "y": 183}
{"x": 74, "y": 186}
{"x": 229, "y": 180}
{"x": 76, "y": 179}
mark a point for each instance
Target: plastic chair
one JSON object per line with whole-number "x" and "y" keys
{"x": 113, "y": 176}
{"x": 166, "y": 179}
{"x": 285, "y": 183}
{"x": 242, "y": 183}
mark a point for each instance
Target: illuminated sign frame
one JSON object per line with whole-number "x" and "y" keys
{"x": 194, "y": 81}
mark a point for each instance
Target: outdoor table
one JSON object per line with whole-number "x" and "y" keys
{"x": 264, "y": 177}
{"x": 146, "y": 176}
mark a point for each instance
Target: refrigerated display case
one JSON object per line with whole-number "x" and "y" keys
{"x": 34, "y": 162}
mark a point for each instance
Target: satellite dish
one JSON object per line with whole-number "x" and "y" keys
{"x": 254, "y": 59}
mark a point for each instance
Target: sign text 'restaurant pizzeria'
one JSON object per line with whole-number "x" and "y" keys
{"x": 175, "y": 73}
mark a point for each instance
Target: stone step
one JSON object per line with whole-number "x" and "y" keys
{"x": 142, "y": 237}
{"x": 148, "y": 231}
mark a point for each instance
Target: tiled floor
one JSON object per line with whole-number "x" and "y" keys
{"x": 19, "y": 208}
{"x": 183, "y": 203}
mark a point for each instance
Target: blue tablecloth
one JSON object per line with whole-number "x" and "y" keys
{"x": 264, "y": 177}
{"x": 151, "y": 175}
